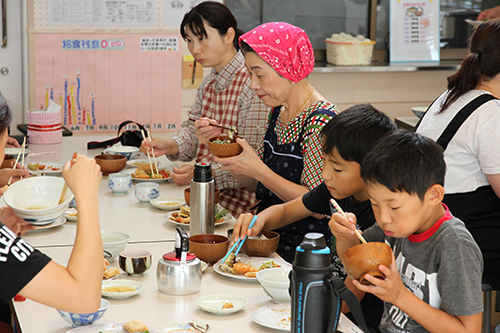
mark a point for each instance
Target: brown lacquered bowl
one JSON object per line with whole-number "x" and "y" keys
{"x": 261, "y": 247}
{"x": 224, "y": 149}
{"x": 187, "y": 195}
{"x": 6, "y": 162}
{"x": 111, "y": 163}
{"x": 365, "y": 258}
{"x": 209, "y": 247}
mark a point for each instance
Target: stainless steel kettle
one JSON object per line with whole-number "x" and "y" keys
{"x": 179, "y": 272}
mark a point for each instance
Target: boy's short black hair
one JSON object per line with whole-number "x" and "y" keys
{"x": 355, "y": 131}
{"x": 404, "y": 161}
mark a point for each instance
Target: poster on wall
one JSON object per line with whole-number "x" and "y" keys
{"x": 100, "y": 80}
{"x": 414, "y": 31}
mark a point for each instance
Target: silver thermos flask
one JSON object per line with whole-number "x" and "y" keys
{"x": 202, "y": 200}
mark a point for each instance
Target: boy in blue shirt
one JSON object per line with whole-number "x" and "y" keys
{"x": 434, "y": 281}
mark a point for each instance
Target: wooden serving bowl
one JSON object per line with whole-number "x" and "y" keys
{"x": 111, "y": 163}
{"x": 187, "y": 195}
{"x": 365, "y": 258}
{"x": 226, "y": 149}
{"x": 256, "y": 247}
{"x": 209, "y": 247}
{"x": 6, "y": 161}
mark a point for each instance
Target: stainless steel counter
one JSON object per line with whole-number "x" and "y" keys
{"x": 380, "y": 66}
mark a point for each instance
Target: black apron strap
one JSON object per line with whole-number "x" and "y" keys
{"x": 460, "y": 118}
{"x": 344, "y": 293}
{"x": 420, "y": 120}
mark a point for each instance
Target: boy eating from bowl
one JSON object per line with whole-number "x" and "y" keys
{"x": 347, "y": 138}
{"x": 434, "y": 281}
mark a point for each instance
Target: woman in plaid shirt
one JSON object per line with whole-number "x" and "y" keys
{"x": 224, "y": 97}
{"x": 288, "y": 163}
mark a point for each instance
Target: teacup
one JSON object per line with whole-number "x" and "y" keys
{"x": 145, "y": 192}
{"x": 119, "y": 182}
{"x": 135, "y": 262}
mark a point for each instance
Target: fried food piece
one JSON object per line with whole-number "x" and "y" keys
{"x": 227, "y": 269}
{"x": 110, "y": 272}
{"x": 135, "y": 326}
{"x": 140, "y": 175}
{"x": 251, "y": 274}
{"x": 33, "y": 167}
{"x": 242, "y": 268}
{"x": 106, "y": 264}
{"x": 227, "y": 305}
{"x": 231, "y": 260}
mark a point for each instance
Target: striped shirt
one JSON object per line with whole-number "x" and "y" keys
{"x": 227, "y": 98}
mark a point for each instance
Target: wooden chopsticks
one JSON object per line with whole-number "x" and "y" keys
{"x": 220, "y": 126}
{"x": 21, "y": 151}
{"x": 341, "y": 212}
{"x": 153, "y": 152}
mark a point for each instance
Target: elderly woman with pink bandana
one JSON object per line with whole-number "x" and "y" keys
{"x": 288, "y": 163}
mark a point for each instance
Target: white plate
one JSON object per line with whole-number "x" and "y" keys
{"x": 184, "y": 327}
{"x": 135, "y": 163}
{"x": 204, "y": 266}
{"x": 474, "y": 23}
{"x": 68, "y": 214}
{"x": 104, "y": 328}
{"x": 58, "y": 222}
{"x": 47, "y": 171}
{"x": 122, "y": 283}
{"x": 275, "y": 316}
{"x": 214, "y": 303}
{"x": 131, "y": 171}
{"x": 167, "y": 203}
{"x": 254, "y": 261}
{"x": 227, "y": 218}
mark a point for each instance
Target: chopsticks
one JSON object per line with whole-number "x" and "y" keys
{"x": 341, "y": 212}
{"x": 21, "y": 151}
{"x": 65, "y": 186}
{"x": 147, "y": 152}
{"x": 240, "y": 242}
{"x": 220, "y": 126}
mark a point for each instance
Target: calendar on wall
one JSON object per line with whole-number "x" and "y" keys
{"x": 100, "y": 80}
{"x": 414, "y": 31}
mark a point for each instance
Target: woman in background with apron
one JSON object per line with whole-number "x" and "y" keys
{"x": 279, "y": 57}
{"x": 465, "y": 121}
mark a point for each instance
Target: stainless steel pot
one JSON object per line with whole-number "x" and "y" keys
{"x": 179, "y": 272}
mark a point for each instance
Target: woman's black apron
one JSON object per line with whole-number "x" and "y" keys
{"x": 286, "y": 160}
{"x": 480, "y": 209}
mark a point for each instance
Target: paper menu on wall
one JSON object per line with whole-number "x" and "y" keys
{"x": 414, "y": 31}
{"x": 174, "y": 10}
{"x": 101, "y": 12}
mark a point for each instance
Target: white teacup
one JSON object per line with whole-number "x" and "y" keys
{"x": 145, "y": 192}
{"x": 119, "y": 182}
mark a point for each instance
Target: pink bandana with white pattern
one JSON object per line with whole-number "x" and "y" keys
{"x": 283, "y": 46}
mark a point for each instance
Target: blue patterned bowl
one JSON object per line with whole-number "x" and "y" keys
{"x": 77, "y": 319}
{"x": 129, "y": 152}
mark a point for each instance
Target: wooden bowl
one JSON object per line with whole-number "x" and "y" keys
{"x": 6, "y": 162}
{"x": 209, "y": 247}
{"x": 111, "y": 163}
{"x": 187, "y": 195}
{"x": 365, "y": 258}
{"x": 261, "y": 247}
{"x": 226, "y": 149}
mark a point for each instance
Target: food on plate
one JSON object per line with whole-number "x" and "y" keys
{"x": 227, "y": 305}
{"x": 169, "y": 203}
{"x": 118, "y": 289}
{"x": 234, "y": 266}
{"x": 222, "y": 142}
{"x": 38, "y": 167}
{"x": 144, "y": 171}
{"x": 135, "y": 326}
{"x": 109, "y": 272}
{"x": 183, "y": 216}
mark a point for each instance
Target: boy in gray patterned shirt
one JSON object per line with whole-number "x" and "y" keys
{"x": 434, "y": 281}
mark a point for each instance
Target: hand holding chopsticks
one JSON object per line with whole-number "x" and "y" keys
{"x": 65, "y": 186}
{"x": 341, "y": 212}
{"x": 152, "y": 151}
{"x": 240, "y": 241}
{"x": 21, "y": 152}
{"x": 234, "y": 130}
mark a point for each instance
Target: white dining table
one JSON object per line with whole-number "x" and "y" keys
{"x": 150, "y": 230}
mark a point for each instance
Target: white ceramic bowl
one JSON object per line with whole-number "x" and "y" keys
{"x": 276, "y": 283}
{"x": 113, "y": 242}
{"x": 77, "y": 319}
{"x": 167, "y": 203}
{"x": 16, "y": 151}
{"x": 130, "y": 152}
{"x": 136, "y": 285}
{"x": 36, "y": 199}
{"x": 215, "y": 303}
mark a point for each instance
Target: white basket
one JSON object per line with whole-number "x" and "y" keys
{"x": 349, "y": 54}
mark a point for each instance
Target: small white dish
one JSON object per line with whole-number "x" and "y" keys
{"x": 275, "y": 316}
{"x": 204, "y": 266}
{"x": 51, "y": 168}
{"x": 58, "y": 222}
{"x": 184, "y": 326}
{"x": 167, "y": 203}
{"x": 155, "y": 180}
{"x": 135, "y": 163}
{"x": 70, "y": 214}
{"x": 121, "y": 283}
{"x": 255, "y": 262}
{"x": 474, "y": 23}
{"x": 214, "y": 303}
{"x": 228, "y": 218}
{"x": 103, "y": 328}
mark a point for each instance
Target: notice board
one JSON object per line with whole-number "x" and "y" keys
{"x": 101, "y": 80}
